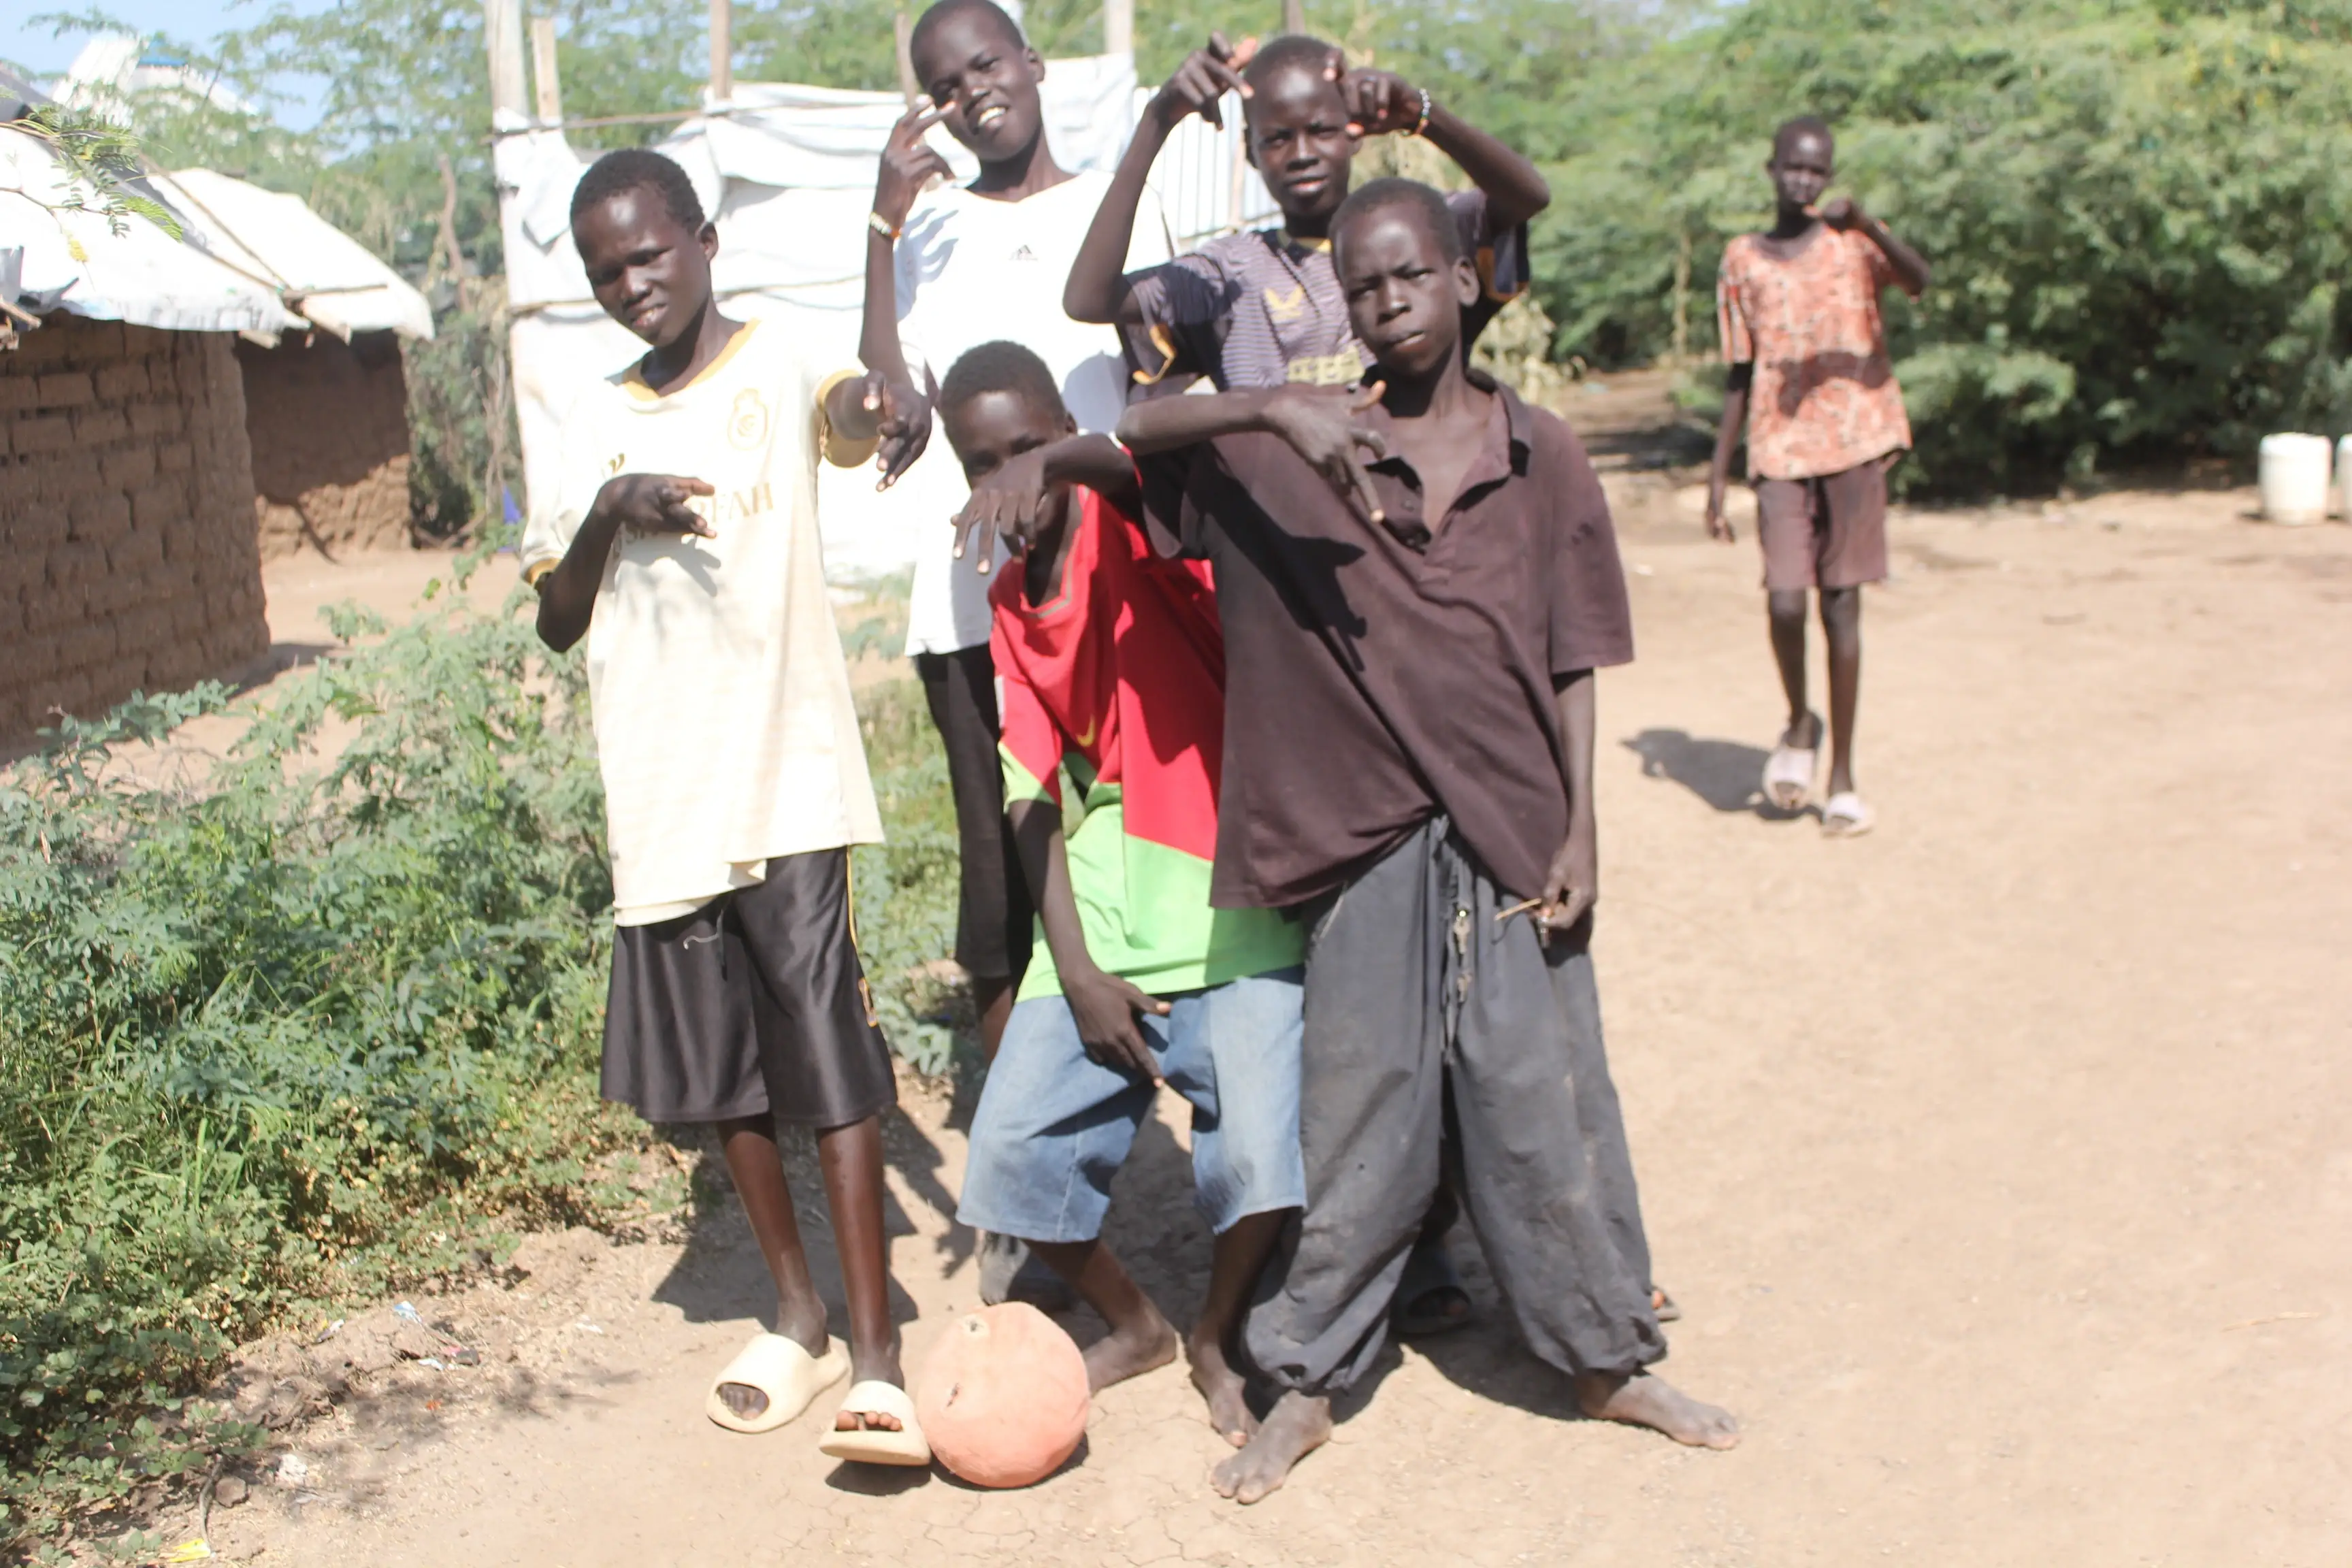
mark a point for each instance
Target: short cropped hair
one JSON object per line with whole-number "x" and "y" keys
{"x": 1002, "y": 366}
{"x": 1291, "y": 51}
{"x": 1378, "y": 195}
{"x": 1803, "y": 125}
{"x": 636, "y": 169}
{"x": 942, "y": 9}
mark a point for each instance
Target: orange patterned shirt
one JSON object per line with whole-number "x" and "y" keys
{"x": 1824, "y": 398}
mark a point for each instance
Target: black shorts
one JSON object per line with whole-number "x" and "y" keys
{"x": 754, "y": 1004}
{"x": 994, "y": 919}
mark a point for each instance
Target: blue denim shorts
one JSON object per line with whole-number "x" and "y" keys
{"x": 1052, "y": 1127}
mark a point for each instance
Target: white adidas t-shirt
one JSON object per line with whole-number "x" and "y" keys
{"x": 724, "y": 726}
{"x": 972, "y": 270}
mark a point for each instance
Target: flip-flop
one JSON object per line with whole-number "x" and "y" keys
{"x": 867, "y": 1446}
{"x": 1429, "y": 1274}
{"x": 782, "y": 1369}
{"x": 1788, "y": 770}
{"x": 1662, "y": 1306}
{"x": 1845, "y": 816}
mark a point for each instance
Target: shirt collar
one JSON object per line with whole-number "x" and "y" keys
{"x": 1518, "y": 422}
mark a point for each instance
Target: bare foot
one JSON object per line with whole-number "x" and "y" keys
{"x": 1222, "y": 1386}
{"x": 1296, "y": 1425}
{"x": 1642, "y": 1400}
{"x": 1130, "y": 1351}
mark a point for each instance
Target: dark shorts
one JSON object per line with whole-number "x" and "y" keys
{"x": 1824, "y": 532}
{"x": 754, "y": 1004}
{"x": 994, "y": 917}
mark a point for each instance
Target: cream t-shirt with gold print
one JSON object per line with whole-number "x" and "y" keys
{"x": 724, "y": 725}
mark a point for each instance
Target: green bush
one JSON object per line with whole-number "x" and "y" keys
{"x": 325, "y": 1022}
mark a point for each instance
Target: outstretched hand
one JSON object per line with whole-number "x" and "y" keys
{"x": 906, "y": 427}
{"x": 654, "y": 503}
{"x": 1009, "y": 504}
{"x": 909, "y": 163}
{"x": 1201, "y": 83}
{"x": 1319, "y": 423}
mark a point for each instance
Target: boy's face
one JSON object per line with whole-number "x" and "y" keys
{"x": 991, "y": 429}
{"x": 1801, "y": 168}
{"x": 650, "y": 272}
{"x": 1405, "y": 299}
{"x": 984, "y": 81}
{"x": 1299, "y": 141}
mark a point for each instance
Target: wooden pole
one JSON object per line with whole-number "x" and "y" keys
{"x": 1118, "y": 27}
{"x": 904, "y": 26}
{"x": 722, "y": 51}
{"x": 549, "y": 101}
{"x": 502, "y": 33}
{"x": 1294, "y": 15}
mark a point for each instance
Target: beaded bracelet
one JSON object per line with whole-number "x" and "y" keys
{"x": 1424, "y": 126}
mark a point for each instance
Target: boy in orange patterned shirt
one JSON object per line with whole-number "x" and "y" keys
{"x": 1810, "y": 379}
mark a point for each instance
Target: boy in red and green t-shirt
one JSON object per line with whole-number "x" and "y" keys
{"x": 1113, "y": 667}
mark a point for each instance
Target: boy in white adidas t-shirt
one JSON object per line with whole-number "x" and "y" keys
{"x": 945, "y": 272}
{"x": 684, "y": 547}
{"x": 960, "y": 267}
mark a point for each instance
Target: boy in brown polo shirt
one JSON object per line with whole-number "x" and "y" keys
{"x": 1810, "y": 379}
{"x": 1409, "y": 738}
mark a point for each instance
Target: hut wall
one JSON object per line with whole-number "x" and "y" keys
{"x": 328, "y": 423}
{"x": 127, "y": 552}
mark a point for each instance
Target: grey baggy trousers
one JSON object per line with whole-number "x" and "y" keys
{"x": 1421, "y": 1006}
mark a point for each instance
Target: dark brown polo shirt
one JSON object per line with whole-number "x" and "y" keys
{"x": 1377, "y": 674}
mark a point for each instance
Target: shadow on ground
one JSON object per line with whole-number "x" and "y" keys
{"x": 720, "y": 1276}
{"x": 1727, "y": 775}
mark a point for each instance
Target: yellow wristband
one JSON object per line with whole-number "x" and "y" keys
{"x": 883, "y": 226}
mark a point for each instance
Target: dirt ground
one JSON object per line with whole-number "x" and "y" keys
{"x": 2000, "y": 1160}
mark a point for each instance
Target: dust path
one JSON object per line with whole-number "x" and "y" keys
{"x": 2000, "y": 1160}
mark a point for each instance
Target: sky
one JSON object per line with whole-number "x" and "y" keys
{"x": 198, "y": 22}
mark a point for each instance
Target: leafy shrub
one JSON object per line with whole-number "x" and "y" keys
{"x": 324, "y": 1022}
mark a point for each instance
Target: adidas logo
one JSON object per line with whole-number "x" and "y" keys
{"x": 1024, "y": 254}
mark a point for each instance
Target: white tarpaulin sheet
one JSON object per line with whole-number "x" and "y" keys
{"x": 787, "y": 172}
{"x": 53, "y": 258}
{"x": 324, "y": 274}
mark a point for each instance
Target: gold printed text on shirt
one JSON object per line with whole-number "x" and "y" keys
{"x": 732, "y": 506}
{"x": 1343, "y": 369}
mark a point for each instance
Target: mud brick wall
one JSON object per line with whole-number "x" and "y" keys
{"x": 127, "y": 556}
{"x": 329, "y": 425}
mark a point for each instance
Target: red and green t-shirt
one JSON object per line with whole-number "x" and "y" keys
{"x": 1119, "y": 681}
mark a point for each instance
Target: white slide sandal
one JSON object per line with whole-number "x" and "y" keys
{"x": 1845, "y": 816}
{"x": 782, "y": 1369}
{"x": 865, "y": 1445}
{"x": 1788, "y": 770}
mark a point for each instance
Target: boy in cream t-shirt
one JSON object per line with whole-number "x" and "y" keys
{"x": 684, "y": 548}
